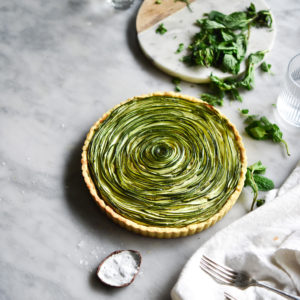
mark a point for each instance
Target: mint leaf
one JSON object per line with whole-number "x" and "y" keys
{"x": 258, "y": 168}
{"x": 230, "y": 64}
{"x": 211, "y": 99}
{"x": 161, "y": 29}
{"x": 176, "y": 81}
{"x": 256, "y": 181}
{"x": 266, "y": 67}
{"x": 263, "y": 183}
{"x": 260, "y": 202}
{"x": 245, "y": 111}
{"x": 260, "y": 128}
{"x": 180, "y": 48}
{"x": 235, "y": 95}
{"x": 237, "y": 20}
{"x": 256, "y": 132}
{"x": 248, "y": 81}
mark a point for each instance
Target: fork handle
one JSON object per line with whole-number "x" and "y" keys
{"x": 282, "y": 293}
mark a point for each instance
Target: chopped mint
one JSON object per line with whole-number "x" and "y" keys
{"x": 176, "y": 81}
{"x": 180, "y": 48}
{"x": 161, "y": 29}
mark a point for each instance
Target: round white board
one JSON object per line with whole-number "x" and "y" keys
{"x": 181, "y": 28}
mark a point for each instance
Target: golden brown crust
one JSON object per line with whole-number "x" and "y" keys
{"x": 162, "y": 232}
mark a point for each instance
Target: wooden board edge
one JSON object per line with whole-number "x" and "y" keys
{"x": 150, "y": 13}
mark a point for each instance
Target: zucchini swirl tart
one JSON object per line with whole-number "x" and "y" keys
{"x": 164, "y": 164}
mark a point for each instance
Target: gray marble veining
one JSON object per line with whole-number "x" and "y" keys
{"x": 62, "y": 65}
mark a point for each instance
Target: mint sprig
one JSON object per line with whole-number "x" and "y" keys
{"x": 257, "y": 182}
{"x": 260, "y": 128}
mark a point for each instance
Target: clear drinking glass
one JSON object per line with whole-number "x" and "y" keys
{"x": 288, "y": 103}
{"x": 121, "y": 4}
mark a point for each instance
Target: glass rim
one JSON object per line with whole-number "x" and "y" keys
{"x": 288, "y": 70}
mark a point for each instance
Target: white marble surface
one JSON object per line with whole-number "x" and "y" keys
{"x": 63, "y": 64}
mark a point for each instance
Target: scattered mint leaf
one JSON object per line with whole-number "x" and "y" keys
{"x": 235, "y": 95}
{"x": 263, "y": 183}
{"x": 260, "y": 202}
{"x": 256, "y": 57}
{"x": 251, "y": 118}
{"x": 211, "y": 99}
{"x": 256, "y": 181}
{"x": 230, "y": 64}
{"x": 244, "y": 111}
{"x": 258, "y": 168}
{"x": 248, "y": 81}
{"x": 231, "y": 86}
{"x": 157, "y": 2}
{"x": 210, "y": 24}
{"x": 176, "y": 81}
{"x": 222, "y": 84}
{"x": 241, "y": 46}
{"x": 251, "y": 10}
{"x": 260, "y": 128}
{"x": 215, "y": 15}
{"x": 180, "y": 48}
{"x": 161, "y": 29}
{"x": 274, "y": 105}
{"x": 266, "y": 67}
{"x": 262, "y": 18}
{"x": 227, "y": 36}
{"x": 237, "y": 20}
{"x": 256, "y": 132}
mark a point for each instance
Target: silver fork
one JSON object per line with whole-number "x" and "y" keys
{"x": 240, "y": 279}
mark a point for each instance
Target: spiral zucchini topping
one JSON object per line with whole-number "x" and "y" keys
{"x": 165, "y": 161}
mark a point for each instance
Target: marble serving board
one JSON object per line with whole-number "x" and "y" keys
{"x": 180, "y": 24}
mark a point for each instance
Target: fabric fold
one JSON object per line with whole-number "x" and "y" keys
{"x": 288, "y": 257}
{"x": 265, "y": 242}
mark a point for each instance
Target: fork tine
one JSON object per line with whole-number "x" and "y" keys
{"x": 219, "y": 277}
{"x": 220, "y": 272}
{"x": 228, "y": 296}
{"x": 220, "y": 267}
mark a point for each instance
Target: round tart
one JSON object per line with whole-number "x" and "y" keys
{"x": 164, "y": 165}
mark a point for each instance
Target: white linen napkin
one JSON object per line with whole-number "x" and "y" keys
{"x": 265, "y": 242}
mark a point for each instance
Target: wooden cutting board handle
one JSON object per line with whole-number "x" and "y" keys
{"x": 150, "y": 13}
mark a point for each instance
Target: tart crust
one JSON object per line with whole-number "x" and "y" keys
{"x": 162, "y": 232}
